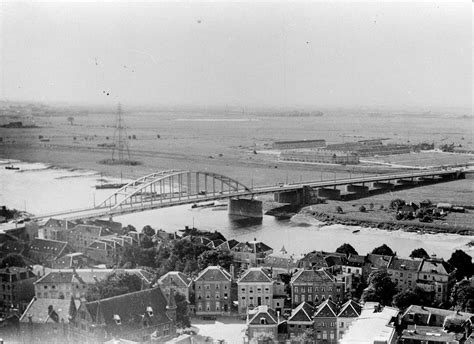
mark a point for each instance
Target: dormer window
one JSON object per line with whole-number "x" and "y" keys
{"x": 263, "y": 321}
{"x": 117, "y": 319}
{"x": 149, "y": 310}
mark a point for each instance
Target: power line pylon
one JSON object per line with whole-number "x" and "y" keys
{"x": 121, "y": 147}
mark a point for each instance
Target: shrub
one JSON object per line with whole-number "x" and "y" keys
{"x": 362, "y": 209}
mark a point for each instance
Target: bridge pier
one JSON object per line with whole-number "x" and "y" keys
{"x": 242, "y": 207}
{"x": 380, "y": 185}
{"x": 407, "y": 182}
{"x": 331, "y": 194}
{"x": 357, "y": 189}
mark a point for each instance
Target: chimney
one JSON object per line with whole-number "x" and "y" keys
{"x": 278, "y": 317}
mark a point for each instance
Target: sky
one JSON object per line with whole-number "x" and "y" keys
{"x": 290, "y": 54}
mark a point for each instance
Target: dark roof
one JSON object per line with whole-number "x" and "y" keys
{"x": 432, "y": 316}
{"x": 405, "y": 264}
{"x": 57, "y": 277}
{"x": 228, "y": 245}
{"x": 350, "y": 309}
{"x": 113, "y": 226}
{"x": 131, "y": 308}
{"x": 38, "y": 310}
{"x": 264, "y": 312}
{"x": 49, "y": 246}
{"x": 355, "y": 260}
{"x": 304, "y": 275}
{"x": 327, "y": 309}
{"x": 91, "y": 229}
{"x": 378, "y": 261}
{"x": 429, "y": 334}
{"x": 304, "y": 312}
{"x": 214, "y": 273}
{"x": 259, "y": 275}
{"x": 438, "y": 266}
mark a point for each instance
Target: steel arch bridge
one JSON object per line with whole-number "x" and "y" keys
{"x": 166, "y": 188}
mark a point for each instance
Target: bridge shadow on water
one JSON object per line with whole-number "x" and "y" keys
{"x": 237, "y": 222}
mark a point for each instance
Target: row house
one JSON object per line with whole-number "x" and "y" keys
{"x": 434, "y": 276}
{"x": 109, "y": 249}
{"x": 327, "y": 322}
{"x": 255, "y": 288}
{"x": 46, "y": 251}
{"x": 213, "y": 292}
{"x": 55, "y": 229}
{"x": 64, "y": 284}
{"x": 139, "y": 317}
{"x": 437, "y": 277}
{"x": 315, "y": 286}
{"x": 16, "y": 289}
{"x": 178, "y": 281}
{"x": 322, "y": 260}
{"x": 81, "y": 236}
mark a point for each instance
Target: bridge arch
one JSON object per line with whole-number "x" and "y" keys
{"x": 174, "y": 187}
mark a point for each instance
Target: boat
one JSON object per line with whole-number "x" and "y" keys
{"x": 110, "y": 186}
{"x": 11, "y": 167}
{"x": 356, "y": 231}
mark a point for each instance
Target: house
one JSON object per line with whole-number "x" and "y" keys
{"x": 249, "y": 254}
{"x": 325, "y": 322}
{"x": 47, "y": 251}
{"x": 227, "y": 245}
{"x": 300, "y": 320}
{"x": 315, "y": 286}
{"x": 376, "y": 324}
{"x": 430, "y": 316}
{"x": 404, "y": 272}
{"x": 262, "y": 322}
{"x": 429, "y": 334}
{"x": 46, "y": 320}
{"x": 16, "y": 289}
{"x": 72, "y": 260}
{"x": 437, "y": 277}
{"x": 67, "y": 283}
{"x": 135, "y": 317}
{"x": 255, "y": 288}
{"x": 322, "y": 260}
{"x": 81, "y": 236}
{"x": 213, "y": 292}
{"x": 280, "y": 262}
{"x": 178, "y": 281}
{"x": 353, "y": 264}
{"x": 347, "y": 314}
{"x": 106, "y": 250}
{"x": 55, "y": 229}
{"x": 374, "y": 262}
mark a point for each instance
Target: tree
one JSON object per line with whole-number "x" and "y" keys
{"x": 128, "y": 228}
{"x": 339, "y": 210}
{"x": 182, "y": 311}
{"x": 383, "y": 250}
{"x": 362, "y": 209}
{"x": 462, "y": 296}
{"x": 419, "y": 253}
{"x": 12, "y": 259}
{"x": 463, "y": 263}
{"x": 214, "y": 257}
{"x": 381, "y": 288}
{"x": 346, "y": 249}
{"x": 146, "y": 242}
{"x": 148, "y": 231}
{"x": 406, "y": 298}
{"x": 115, "y": 284}
{"x": 396, "y": 203}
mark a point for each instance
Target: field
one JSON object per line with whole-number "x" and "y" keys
{"x": 221, "y": 141}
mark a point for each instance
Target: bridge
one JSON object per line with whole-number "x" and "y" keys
{"x": 172, "y": 188}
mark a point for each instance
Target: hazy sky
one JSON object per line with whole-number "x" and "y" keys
{"x": 240, "y": 54}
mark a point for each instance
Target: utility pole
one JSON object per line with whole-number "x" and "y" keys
{"x": 120, "y": 138}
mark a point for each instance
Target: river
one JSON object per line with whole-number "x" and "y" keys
{"x": 39, "y": 189}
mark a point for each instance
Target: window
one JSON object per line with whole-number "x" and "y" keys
{"x": 331, "y": 335}
{"x": 342, "y": 324}
{"x": 296, "y": 299}
{"x": 243, "y": 290}
{"x": 263, "y": 321}
{"x": 117, "y": 319}
{"x": 296, "y": 289}
{"x": 310, "y": 289}
{"x": 149, "y": 310}
{"x": 325, "y": 335}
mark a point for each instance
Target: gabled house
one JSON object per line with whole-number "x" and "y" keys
{"x": 262, "y": 321}
{"x": 347, "y": 314}
{"x": 255, "y": 288}
{"x": 300, "y": 320}
{"x": 178, "y": 281}
{"x": 375, "y": 262}
{"x": 404, "y": 272}
{"x": 437, "y": 277}
{"x": 281, "y": 262}
{"x": 46, "y": 251}
{"x": 250, "y": 254}
{"x": 315, "y": 286}
{"x": 213, "y": 292}
{"x": 325, "y": 322}
{"x": 81, "y": 236}
{"x": 135, "y": 317}
{"x": 55, "y": 229}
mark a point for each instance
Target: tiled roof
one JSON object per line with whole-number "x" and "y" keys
{"x": 38, "y": 310}
{"x": 177, "y": 278}
{"x": 304, "y": 275}
{"x": 350, "y": 309}
{"x": 405, "y": 264}
{"x": 50, "y": 246}
{"x": 89, "y": 276}
{"x": 429, "y": 334}
{"x": 130, "y": 308}
{"x": 259, "y": 275}
{"x": 262, "y": 312}
{"x": 438, "y": 266}
{"x": 214, "y": 273}
{"x": 91, "y": 229}
{"x": 327, "y": 309}
{"x": 378, "y": 261}
{"x": 304, "y": 312}
{"x": 431, "y": 316}
{"x": 228, "y": 245}
{"x": 355, "y": 260}
{"x": 57, "y": 277}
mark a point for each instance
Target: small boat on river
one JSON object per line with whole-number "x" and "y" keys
{"x": 11, "y": 167}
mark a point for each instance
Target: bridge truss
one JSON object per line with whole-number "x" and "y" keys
{"x": 173, "y": 187}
